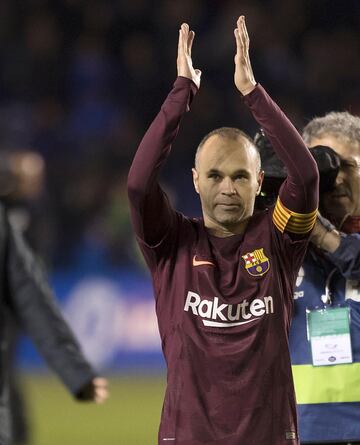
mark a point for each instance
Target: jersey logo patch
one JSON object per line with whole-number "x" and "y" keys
{"x": 256, "y": 262}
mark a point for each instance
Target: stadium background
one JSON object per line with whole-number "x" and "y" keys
{"x": 80, "y": 82}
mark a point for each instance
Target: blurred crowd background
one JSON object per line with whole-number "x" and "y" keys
{"x": 82, "y": 79}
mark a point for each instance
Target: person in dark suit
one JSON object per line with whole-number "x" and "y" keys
{"x": 27, "y": 304}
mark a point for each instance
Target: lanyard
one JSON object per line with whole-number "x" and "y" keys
{"x": 327, "y": 297}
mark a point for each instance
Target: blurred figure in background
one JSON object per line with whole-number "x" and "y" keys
{"x": 28, "y": 302}
{"x": 21, "y": 188}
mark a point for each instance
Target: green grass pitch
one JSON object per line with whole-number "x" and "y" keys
{"x": 129, "y": 417}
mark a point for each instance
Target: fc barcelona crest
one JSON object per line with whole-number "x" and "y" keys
{"x": 256, "y": 263}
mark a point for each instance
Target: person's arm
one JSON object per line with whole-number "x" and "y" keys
{"x": 33, "y": 304}
{"x": 346, "y": 257}
{"x": 296, "y": 207}
{"x": 324, "y": 235}
{"x": 342, "y": 250}
{"x": 151, "y": 212}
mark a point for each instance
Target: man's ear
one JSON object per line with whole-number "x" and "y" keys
{"x": 195, "y": 175}
{"x": 260, "y": 181}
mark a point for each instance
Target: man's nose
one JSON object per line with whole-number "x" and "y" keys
{"x": 228, "y": 187}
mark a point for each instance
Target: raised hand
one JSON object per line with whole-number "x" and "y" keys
{"x": 184, "y": 61}
{"x": 243, "y": 77}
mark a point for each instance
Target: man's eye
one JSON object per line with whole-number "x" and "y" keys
{"x": 240, "y": 178}
{"x": 214, "y": 176}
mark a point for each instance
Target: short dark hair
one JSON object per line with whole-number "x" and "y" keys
{"x": 231, "y": 133}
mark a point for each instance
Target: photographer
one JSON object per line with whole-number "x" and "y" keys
{"x": 328, "y": 395}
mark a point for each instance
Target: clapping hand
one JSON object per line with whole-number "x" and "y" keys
{"x": 243, "y": 77}
{"x": 184, "y": 61}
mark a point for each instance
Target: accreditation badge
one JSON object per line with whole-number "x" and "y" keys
{"x": 329, "y": 335}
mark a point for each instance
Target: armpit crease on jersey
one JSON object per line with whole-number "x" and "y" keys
{"x": 285, "y": 219}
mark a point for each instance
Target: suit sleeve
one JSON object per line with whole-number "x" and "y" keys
{"x": 33, "y": 304}
{"x": 151, "y": 213}
{"x": 295, "y": 209}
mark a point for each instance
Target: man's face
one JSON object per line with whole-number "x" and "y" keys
{"x": 227, "y": 178}
{"x": 345, "y": 198}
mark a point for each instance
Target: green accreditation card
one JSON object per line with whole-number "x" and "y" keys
{"x": 329, "y": 335}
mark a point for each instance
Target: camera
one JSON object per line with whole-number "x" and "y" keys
{"x": 327, "y": 160}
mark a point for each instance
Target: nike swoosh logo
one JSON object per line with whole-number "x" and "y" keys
{"x": 201, "y": 263}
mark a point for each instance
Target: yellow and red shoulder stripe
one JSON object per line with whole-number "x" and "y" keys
{"x": 285, "y": 219}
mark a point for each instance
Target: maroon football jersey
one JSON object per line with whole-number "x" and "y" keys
{"x": 224, "y": 305}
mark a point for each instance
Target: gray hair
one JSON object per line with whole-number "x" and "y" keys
{"x": 227, "y": 133}
{"x": 342, "y": 125}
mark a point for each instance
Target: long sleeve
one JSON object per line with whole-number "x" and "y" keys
{"x": 347, "y": 257}
{"x": 34, "y": 306}
{"x": 298, "y": 197}
{"x": 150, "y": 209}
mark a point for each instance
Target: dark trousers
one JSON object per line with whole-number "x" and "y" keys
{"x": 17, "y": 405}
